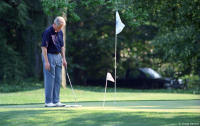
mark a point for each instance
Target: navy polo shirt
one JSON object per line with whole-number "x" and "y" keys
{"x": 52, "y": 40}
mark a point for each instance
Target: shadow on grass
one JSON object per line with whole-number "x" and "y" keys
{"x": 72, "y": 117}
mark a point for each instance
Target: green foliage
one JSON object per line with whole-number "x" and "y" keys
{"x": 22, "y": 86}
{"x": 20, "y": 33}
{"x": 11, "y": 65}
{"x": 71, "y": 12}
{"x": 179, "y": 35}
{"x": 18, "y": 13}
{"x": 54, "y": 7}
{"x": 180, "y": 47}
{"x": 193, "y": 82}
{"x": 4, "y": 7}
{"x": 177, "y": 39}
{"x": 160, "y": 34}
{"x": 90, "y": 40}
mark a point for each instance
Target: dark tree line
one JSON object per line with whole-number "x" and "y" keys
{"x": 22, "y": 22}
{"x": 164, "y": 35}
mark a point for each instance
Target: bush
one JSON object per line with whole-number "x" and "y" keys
{"x": 26, "y": 85}
{"x": 193, "y": 82}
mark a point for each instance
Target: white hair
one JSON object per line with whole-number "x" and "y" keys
{"x": 59, "y": 20}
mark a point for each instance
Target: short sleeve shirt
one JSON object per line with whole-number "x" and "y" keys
{"x": 52, "y": 40}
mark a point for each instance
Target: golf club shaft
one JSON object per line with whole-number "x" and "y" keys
{"x": 71, "y": 85}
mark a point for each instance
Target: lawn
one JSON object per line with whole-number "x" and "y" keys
{"x": 87, "y": 117}
{"x": 132, "y": 108}
{"x": 95, "y": 94}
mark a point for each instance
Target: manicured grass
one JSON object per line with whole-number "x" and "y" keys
{"x": 133, "y": 108}
{"x": 87, "y": 117}
{"x": 93, "y": 94}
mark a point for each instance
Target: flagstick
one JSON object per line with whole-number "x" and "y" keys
{"x": 119, "y": 28}
{"x": 115, "y": 63}
{"x": 105, "y": 93}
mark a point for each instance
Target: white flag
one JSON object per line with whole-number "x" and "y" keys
{"x": 109, "y": 77}
{"x": 119, "y": 24}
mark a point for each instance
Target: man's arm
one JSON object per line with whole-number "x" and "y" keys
{"x": 63, "y": 56}
{"x": 44, "y": 53}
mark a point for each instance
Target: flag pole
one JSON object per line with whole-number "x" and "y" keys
{"x": 115, "y": 65}
{"x": 116, "y": 5}
{"x": 105, "y": 93}
{"x": 118, "y": 29}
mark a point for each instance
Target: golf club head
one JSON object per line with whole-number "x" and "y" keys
{"x": 70, "y": 106}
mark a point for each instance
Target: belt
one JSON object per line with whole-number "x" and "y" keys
{"x": 56, "y": 53}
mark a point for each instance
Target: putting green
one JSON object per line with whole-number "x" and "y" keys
{"x": 147, "y": 106}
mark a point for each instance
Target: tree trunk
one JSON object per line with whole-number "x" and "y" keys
{"x": 64, "y": 40}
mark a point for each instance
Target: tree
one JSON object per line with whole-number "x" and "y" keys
{"x": 13, "y": 16}
{"x": 177, "y": 37}
{"x": 21, "y": 23}
{"x": 178, "y": 23}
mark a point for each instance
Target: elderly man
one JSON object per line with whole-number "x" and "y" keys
{"x": 53, "y": 56}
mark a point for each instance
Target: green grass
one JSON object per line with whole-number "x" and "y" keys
{"x": 133, "y": 108}
{"x": 85, "y": 117}
{"x": 93, "y": 94}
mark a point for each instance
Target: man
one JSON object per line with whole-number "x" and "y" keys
{"x": 53, "y": 56}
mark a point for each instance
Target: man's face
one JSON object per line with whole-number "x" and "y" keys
{"x": 58, "y": 28}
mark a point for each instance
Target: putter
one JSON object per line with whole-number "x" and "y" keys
{"x": 72, "y": 91}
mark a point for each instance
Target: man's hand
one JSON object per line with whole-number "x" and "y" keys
{"x": 44, "y": 53}
{"x": 47, "y": 66}
{"x": 64, "y": 62}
